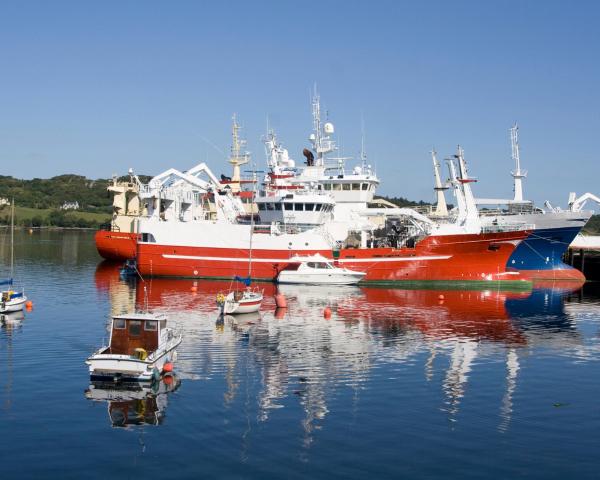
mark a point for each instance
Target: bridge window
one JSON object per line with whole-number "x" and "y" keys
{"x": 364, "y": 186}
{"x": 327, "y": 186}
{"x": 261, "y": 206}
{"x": 346, "y": 186}
{"x": 299, "y": 207}
{"x": 318, "y": 207}
{"x": 356, "y": 186}
{"x": 289, "y": 206}
{"x": 148, "y": 238}
{"x": 135, "y": 327}
{"x": 277, "y": 206}
{"x": 119, "y": 324}
{"x": 270, "y": 206}
{"x": 150, "y": 325}
{"x": 337, "y": 186}
{"x": 309, "y": 207}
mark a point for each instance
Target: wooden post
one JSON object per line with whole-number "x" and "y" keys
{"x": 582, "y": 255}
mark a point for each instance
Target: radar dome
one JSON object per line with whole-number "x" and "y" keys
{"x": 328, "y": 128}
{"x": 312, "y": 137}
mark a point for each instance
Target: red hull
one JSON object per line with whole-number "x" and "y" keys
{"x": 116, "y": 245}
{"x": 558, "y": 274}
{"x": 442, "y": 258}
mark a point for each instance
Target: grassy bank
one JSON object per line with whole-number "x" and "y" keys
{"x": 42, "y": 217}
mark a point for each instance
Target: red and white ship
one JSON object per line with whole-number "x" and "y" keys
{"x": 192, "y": 227}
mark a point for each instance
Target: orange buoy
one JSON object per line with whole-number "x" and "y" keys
{"x": 327, "y": 312}
{"x": 167, "y": 367}
{"x": 28, "y": 304}
{"x": 280, "y": 301}
{"x": 441, "y": 297}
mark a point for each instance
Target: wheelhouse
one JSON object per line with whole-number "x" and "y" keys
{"x": 130, "y": 334}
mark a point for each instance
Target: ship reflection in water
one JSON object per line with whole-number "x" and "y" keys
{"x": 136, "y": 404}
{"x": 433, "y": 335}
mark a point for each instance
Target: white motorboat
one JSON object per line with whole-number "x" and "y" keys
{"x": 140, "y": 345}
{"x": 318, "y": 270}
{"x": 240, "y": 301}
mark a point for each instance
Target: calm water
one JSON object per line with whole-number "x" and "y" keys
{"x": 398, "y": 383}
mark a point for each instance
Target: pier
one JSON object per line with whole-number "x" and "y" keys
{"x": 584, "y": 254}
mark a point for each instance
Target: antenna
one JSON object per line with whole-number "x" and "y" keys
{"x": 363, "y": 153}
{"x": 237, "y": 157}
{"x": 517, "y": 173}
{"x": 441, "y": 209}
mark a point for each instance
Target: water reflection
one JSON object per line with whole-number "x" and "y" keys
{"x": 10, "y": 324}
{"x": 134, "y": 405}
{"x": 299, "y": 357}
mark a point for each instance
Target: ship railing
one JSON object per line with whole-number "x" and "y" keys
{"x": 516, "y": 227}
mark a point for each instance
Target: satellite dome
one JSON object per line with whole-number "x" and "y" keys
{"x": 312, "y": 137}
{"x": 328, "y": 128}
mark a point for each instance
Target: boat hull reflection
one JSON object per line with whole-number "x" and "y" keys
{"x": 134, "y": 404}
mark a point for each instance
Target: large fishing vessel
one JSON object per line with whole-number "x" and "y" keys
{"x": 196, "y": 227}
{"x": 540, "y": 255}
{"x": 300, "y": 216}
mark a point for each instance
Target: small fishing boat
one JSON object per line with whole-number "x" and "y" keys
{"x": 12, "y": 299}
{"x": 317, "y": 270}
{"x": 240, "y": 301}
{"x": 140, "y": 346}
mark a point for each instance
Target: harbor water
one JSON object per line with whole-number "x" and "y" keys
{"x": 398, "y": 383}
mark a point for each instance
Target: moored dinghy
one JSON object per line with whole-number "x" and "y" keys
{"x": 317, "y": 270}
{"x": 140, "y": 345}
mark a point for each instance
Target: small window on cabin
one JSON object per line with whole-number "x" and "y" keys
{"x": 289, "y": 206}
{"x": 356, "y": 186}
{"x": 337, "y": 186}
{"x": 119, "y": 324}
{"x": 277, "y": 206}
{"x": 364, "y": 186}
{"x": 319, "y": 187}
{"x": 261, "y": 206}
{"x": 299, "y": 207}
{"x": 346, "y": 186}
{"x": 318, "y": 207}
{"x": 148, "y": 237}
{"x": 151, "y": 325}
{"x": 135, "y": 327}
{"x": 311, "y": 265}
{"x": 309, "y": 207}
{"x": 327, "y": 186}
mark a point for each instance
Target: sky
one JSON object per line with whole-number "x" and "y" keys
{"x": 94, "y": 88}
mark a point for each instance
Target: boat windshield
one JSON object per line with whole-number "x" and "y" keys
{"x": 318, "y": 265}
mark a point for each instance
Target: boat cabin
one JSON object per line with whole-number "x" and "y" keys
{"x": 130, "y": 334}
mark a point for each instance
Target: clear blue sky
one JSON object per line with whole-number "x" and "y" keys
{"x": 96, "y": 87}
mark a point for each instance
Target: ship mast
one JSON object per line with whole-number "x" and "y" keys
{"x": 517, "y": 173}
{"x": 441, "y": 209}
{"x": 321, "y": 136}
{"x": 12, "y": 238}
{"x": 237, "y": 157}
